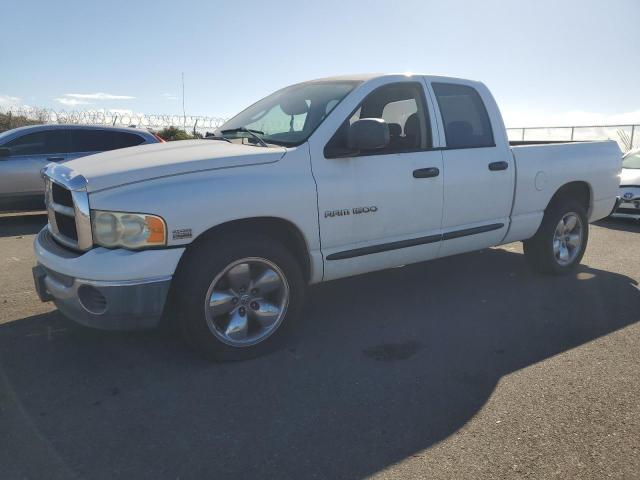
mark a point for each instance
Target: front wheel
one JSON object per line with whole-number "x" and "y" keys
{"x": 237, "y": 297}
{"x": 559, "y": 244}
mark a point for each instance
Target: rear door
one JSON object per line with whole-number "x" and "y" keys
{"x": 30, "y": 153}
{"x": 478, "y": 168}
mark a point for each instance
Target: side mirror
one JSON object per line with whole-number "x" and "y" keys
{"x": 5, "y": 152}
{"x": 368, "y": 134}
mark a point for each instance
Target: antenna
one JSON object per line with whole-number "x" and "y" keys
{"x": 184, "y": 115}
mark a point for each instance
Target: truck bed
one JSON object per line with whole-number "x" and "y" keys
{"x": 544, "y": 167}
{"x": 519, "y": 143}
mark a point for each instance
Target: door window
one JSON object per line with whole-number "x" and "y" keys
{"x": 465, "y": 118}
{"x": 92, "y": 140}
{"x": 402, "y": 107}
{"x": 40, "y": 143}
{"x": 103, "y": 140}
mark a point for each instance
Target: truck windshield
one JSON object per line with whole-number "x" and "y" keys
{"x": 631, "y": 161}
{"x": 289, "y": 116}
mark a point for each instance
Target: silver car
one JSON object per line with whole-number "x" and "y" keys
{"x": 25, "y": 151}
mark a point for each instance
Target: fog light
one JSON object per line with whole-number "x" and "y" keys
{"x": 92, "y": 300}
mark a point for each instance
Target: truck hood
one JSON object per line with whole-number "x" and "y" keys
{"x": 630, "y": 176}
{"x": 146, "y": 162}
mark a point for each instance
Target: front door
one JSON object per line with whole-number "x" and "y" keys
{"x": 381, "y": 208}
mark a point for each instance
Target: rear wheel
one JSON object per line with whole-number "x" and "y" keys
{"x": 560, "y": 242}
{"x": 237, "y": 297}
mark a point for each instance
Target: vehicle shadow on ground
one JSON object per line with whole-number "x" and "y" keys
{"x": 14, "y": 225}
{"x": 621, "y": 224}
{"x": 382, "y": 367}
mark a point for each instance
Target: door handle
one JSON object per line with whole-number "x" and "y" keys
{"x": 495, "y": 166}
{"x": 426, "y": 172}
{"x": 55, "y": 159}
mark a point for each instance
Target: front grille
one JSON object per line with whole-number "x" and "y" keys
{"x": 67, "y": 209}
{"x": 628, "y": 211}
{"x": 61, "y": 195}
{"x": 67, "y": 226}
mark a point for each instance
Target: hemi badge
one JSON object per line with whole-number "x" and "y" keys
{"x": 182, "y": 234}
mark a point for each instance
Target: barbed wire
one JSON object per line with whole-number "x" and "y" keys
{"x": 113, "y": 118}
{"x": 627, "y": 136}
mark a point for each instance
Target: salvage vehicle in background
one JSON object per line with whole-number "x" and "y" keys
{"x": 629, "y": 205}
{"x": 318, "y": 181}
{"x": 25, "y": 151}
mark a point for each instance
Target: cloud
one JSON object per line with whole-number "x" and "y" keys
{"x": 9, "y": 101}
{"x": 71, "y": 102}
{"x": 75, "y": 99}
{"x": 169, "y": 96}
{"x": 98, "y": 96}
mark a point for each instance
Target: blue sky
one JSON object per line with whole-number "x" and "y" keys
{"x": 547, "y": 62}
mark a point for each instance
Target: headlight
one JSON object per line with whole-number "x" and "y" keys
{"x": 127, "y": 230}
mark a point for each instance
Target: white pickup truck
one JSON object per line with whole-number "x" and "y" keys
{"x": 318, "y": 181}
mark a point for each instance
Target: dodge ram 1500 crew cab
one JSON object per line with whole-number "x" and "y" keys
{"x": 318, "y": 181}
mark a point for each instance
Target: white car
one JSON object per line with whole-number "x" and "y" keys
{"x": 629, "y": 206}
{"x": 318, "y": 181}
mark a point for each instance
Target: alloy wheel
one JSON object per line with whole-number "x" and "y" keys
{"x": 567, "y": 238}
{"x": 247, "y": 301}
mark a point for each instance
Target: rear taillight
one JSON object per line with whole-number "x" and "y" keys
{"x": 160, "y": 139}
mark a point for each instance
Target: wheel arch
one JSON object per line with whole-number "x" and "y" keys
{"x": 279, "y": 229}
{"x": 578, "y": 190}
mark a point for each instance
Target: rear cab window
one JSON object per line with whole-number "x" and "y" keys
{"x": 465, "y": 118}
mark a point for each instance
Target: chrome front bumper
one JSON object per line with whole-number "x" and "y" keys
{"x": 109, "y": 304}
{"x": 106, "y": 305}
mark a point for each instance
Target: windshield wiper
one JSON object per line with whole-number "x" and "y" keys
{"x": 250, "y": 132}
{"x": 216, "y": 137}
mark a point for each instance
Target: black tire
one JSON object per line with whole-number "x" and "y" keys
{"x": 539, "y": 250}
{"x": 202, "y": 264}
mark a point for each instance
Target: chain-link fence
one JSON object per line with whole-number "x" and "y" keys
{"x": 15, "y": 117}
{"x": 627, "y": 136}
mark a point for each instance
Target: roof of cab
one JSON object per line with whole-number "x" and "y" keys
{"x": 363, "y": 77}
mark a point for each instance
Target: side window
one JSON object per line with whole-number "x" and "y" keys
{"x": 124, "y": 140}
{"x": 92, "y": 140}
{"x": 40, "y": 143}
{"x": 465, "y": 118}
{"x": 398, "y": 112}
{"x": 402, "y": 107}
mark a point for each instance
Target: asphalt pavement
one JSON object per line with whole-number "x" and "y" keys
{"x": 465, "y": 367}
